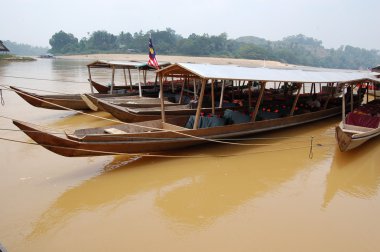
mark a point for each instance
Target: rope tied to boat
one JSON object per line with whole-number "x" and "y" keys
{"x": 1, "y": 97}
{"x": 311, "y": 148}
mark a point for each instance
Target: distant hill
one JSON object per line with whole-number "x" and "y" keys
{"x": 24, "y": 49}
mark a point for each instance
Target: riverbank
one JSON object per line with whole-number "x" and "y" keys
{"x": 183, "y": 59}
{"x": 10, "y": 57}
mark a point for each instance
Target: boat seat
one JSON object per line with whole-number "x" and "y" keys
{"x": 205, "y": 122}
{"x": 114, "y": 131}
{"x": 363, "y": 120}
{"x": 235, "y": 117}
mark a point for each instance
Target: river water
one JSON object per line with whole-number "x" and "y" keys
{"x": 276, "y": 195}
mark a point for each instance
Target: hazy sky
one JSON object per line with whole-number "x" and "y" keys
{"x": 334, "y": 22}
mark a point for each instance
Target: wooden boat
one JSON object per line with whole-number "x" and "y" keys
{"x": 359, "y": 126}
{"x": 79, "y": 102}
{"x": 58, "y": 102}
{"x": 170, "y": 133}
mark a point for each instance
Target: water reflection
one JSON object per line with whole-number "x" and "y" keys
{"x": 183, "y": 191}
{"x": 355, "y": 173}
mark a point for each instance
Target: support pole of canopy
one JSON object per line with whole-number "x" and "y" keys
{"x": 262, "y": 84}
{"x": 367, "y": 90}
{"x": 182, "y": 90}
{"x": 374, "y": 90}
{"x": 162, "y": 99}
{"x": 222, "y": 94}
{"x": 331, "y": 89}
{"x": 195, "y": 89}
{"x": 125, "y": 77}
{"x": 200, "y": 101}
{"x": 140, "y": 91}
{"x": 130, "y": 78}
{"x": 173, "y": 91}
{"x": 352, "y": 97}
{"x": 90, "y": 79}
{"x": 249, "y": 95}
{"x": 343, "y": 105}
{"x": 113, "y": 79}
{"x": 296, "y": 99}
{"x": 212, "y": 97}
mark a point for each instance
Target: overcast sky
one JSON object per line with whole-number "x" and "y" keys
{"x": 334, "y": 22}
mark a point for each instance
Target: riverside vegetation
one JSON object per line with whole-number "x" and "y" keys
{"x": 298, "y": 49}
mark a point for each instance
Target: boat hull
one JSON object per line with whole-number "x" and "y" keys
{"x": 348, "y": 140}
{"x": 159, "y": 140}
{"x": 59, "y": 102}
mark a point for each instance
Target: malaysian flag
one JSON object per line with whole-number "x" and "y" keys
{"x": 152, "y": 56}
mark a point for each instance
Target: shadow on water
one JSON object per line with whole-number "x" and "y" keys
{"x": 355, "y": 173}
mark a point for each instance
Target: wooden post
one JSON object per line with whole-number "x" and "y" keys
{"x": 162, "y": 99}
{"x": 125, "y": 78}
{"x": 222, "y": 94}
{"x": 113, "y": 79}
{"x": 90, "y": 79}
{"x": 352, "y": 97}
{"x": 130, "y": 78}
{"x": 200, "y": 101}
{"x": 303, "y": 88}
{"x": 195, "y": 90}
{"x": 249, "y": 95}
{"x": 296, "y": 100}
{"x": 173, "y": 91}
{"x": 182, "y": 90}
{"x": 374, "y": 90}
{"x": 343, "y": 104}
{"x": 253, "y": 119}
{"x": 330, "y": 96}
{"x": 212, "y": 97}
{"x": 140, "y": 91}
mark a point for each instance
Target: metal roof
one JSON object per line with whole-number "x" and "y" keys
{"x": 124, "y": 64}
{"x": 232, "y": 72}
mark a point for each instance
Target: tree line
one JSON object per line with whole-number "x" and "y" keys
{"x": 297, "y": 49}
{"x": 24, "y": 49}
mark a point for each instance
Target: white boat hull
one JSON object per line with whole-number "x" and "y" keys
{"x": 350, "y": 137}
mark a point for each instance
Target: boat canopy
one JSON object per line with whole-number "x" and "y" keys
{"x": 124, "y": 64}
{"x": 233, "y": 72}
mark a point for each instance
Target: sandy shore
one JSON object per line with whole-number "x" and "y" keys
{"x": 175, "y": 59}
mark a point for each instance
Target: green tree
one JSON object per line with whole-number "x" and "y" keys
{"x": 61, "y": 42}
{"x": 102, "y": 41}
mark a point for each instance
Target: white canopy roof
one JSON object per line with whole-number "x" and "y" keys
{"x": 123, "y": 64}
{"x": 232, "y": 72}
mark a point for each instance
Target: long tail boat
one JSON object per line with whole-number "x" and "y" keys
{"x": 170, "y": 133}
{"x": 360, "y": 124}
{"x": 76, "y": 102}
